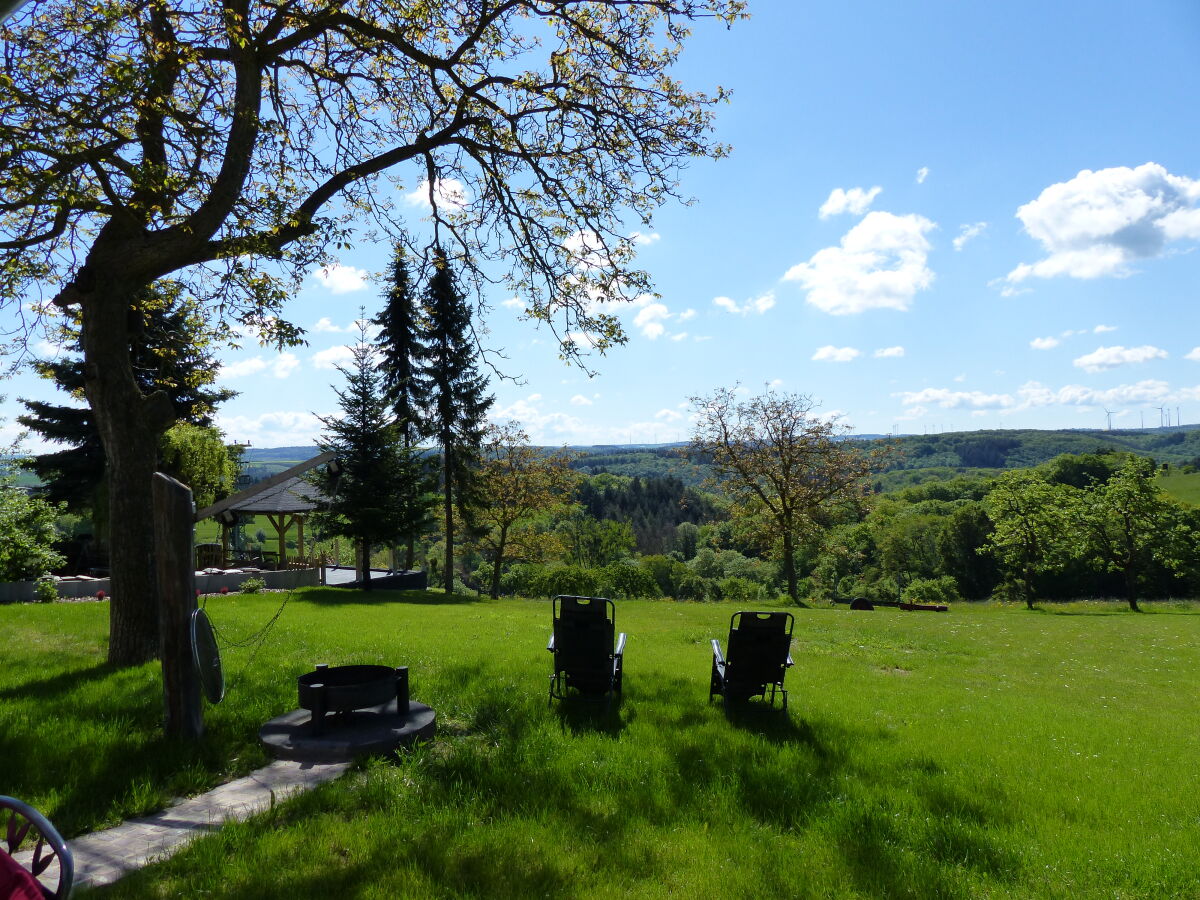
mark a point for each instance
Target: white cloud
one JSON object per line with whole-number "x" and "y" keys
{"x": 922, "y": 174}
{"x": 948, "y": 399}
{"x": 1046, "y": 343}
{"x": 880, "y": 264}
{"x": 449, "y": 194}
{"x": 580, "y": 400}
{"x": 830, "y": 353}
{"x": 687, "y": 314}
{"x": 342, "y": 279}
{"x": 889, "y": 352}
{"x": 668, "y": 415}
{"x": 332, "y": 358}
{"x": 680, "y": 336}
{"x": 49, "y": 350}
{"x": 285, "y": 365}
{"x": 275, "y": 429}
{"x": 1103, "y": 358}
{"x": 1143, "y": 392}
{"x": 1101, "y": 329}
{"x": 855, "y": 201}
{"x": 650, "y": 319}
{"x": 645, "y": 239}
{"x": 1194, "y": 354}
{"x": 967, "y": 233}
{"x": 1099, "y": 222}
{"x": 756, "y": 305}
{"x": 514, "y": 303}
{"x": 775, "y": 383}
{"x": 326, "y": 324}
{"x": 243, "y": 367}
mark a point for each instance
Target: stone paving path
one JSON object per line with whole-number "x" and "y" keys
{"x": 104, "y": 856}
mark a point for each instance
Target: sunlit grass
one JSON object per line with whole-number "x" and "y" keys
{"x": 986, "y": 751}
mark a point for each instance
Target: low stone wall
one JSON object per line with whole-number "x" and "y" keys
{"x": 208, "y": 582}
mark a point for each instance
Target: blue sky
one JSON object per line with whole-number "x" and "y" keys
{"x": 936, "y": 216}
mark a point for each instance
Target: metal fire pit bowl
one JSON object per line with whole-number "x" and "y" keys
{"x": 343, "y": 689}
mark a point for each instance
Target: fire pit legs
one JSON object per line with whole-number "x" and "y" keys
{"x": 402, "y": 690}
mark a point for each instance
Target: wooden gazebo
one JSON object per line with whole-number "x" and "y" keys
{"x": 285, "y": 499}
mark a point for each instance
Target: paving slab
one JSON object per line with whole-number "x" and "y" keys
{"x": 104, "y": 856}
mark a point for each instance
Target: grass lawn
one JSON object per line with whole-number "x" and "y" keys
{"x": 1182, "y": 487}
{"x": 985, "y": 752}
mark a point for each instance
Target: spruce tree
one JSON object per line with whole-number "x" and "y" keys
{"x": 456, "y": 390}
{"x": 169, "y": 354}
{"x": 375, "y": 472}
{"x": 400, "y": 349}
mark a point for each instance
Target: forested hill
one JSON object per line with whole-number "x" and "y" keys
{"x": 997, "y": 449}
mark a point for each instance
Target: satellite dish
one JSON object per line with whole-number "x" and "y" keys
{"x": 207, "y": 657}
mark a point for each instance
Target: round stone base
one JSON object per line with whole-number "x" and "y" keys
{"x": 346, "y": 736}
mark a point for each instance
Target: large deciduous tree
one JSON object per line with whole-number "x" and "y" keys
{"x": 783, "y": 468}
{"x": 234, "y": 143}
{"x": 1127, "y": 525}
{"x": 516, "y": 483}
{"x": 1030, "y": 527}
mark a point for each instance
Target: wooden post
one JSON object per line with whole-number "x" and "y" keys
{"x": 299, "y": 519}
{"x": 173, "y": 512}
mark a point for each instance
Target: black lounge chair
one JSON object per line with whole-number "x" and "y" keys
{"x": 26, "y": 836}
{"x": 582, "y": 644}
{"x": 759, "y": 657}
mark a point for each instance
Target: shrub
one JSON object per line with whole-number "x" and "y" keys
{"x": 46, "y": 590}
{"x": 693, "y": 587}
{"x": 574, "y": 580}
{"x": 628, "y": 580}
{"x": 932, "y": 590}
{"x": 741, "y": 590}
{"x": 253, "y": 585}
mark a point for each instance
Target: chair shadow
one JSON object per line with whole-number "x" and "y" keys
{"x": 580, "y": 715}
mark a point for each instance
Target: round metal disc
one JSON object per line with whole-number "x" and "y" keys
{"x": 207, "y": 657}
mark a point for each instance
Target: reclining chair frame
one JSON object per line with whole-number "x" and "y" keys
{"x": 759, "y": 657}
{"x": 18, "y": 822}
{"x": 597, "y": 677}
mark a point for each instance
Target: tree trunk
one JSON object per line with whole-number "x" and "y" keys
{"x": 789, "y": 566}
{"x": 448, "y": 573}
{"x": 129, "y": 424}
{"x": 410, "y": 553}
{"x": 1131, "y": 590}
{"x": 496, "y": 567}
{"x": 366, "y": 569}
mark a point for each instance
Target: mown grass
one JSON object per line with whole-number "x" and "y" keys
{"x": 1182, "y": 487}
{"x": 987, "y": 751}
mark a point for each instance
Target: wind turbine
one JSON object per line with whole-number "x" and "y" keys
{"x": 1160, "y": 415}
{"x": 1110, "y": 415}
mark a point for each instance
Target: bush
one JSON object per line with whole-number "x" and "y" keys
{"x": 693, "y": 587}
{"x": 253, "y": 585}
{"x": 46, "y": 590}
{"x": 741, "y": 590}
{"x": 942, "y": 590}
{"x": 27, "y": 535}
{"x": 575, "y": 580}
{"x": 628, "y": 580}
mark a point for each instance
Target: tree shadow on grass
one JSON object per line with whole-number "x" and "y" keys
{"x": 57, "y": 685}
{"x": 580, "y": 715}
{"x": 334, "y": 596}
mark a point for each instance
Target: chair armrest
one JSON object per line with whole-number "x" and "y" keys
{"x": 620, "y": 645}
{"x": 718, "y": 658}
{"x": 550, "y": 646}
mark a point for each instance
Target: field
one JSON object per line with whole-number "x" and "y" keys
{"x": 1185, "y": 488}
{"x": 990, "y": 751}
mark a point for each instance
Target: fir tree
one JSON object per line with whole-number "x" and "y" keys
{"x": 400, "y": 349}
{"x": 375, "y": 470}
{"x": 455, "y": 387}
{"x": 169, "y": 354}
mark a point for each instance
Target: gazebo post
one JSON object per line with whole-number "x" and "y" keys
{"x": 299, "y": 534}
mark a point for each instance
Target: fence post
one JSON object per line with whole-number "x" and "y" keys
{"x": 173, "y": 514}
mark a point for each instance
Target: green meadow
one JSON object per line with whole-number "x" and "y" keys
{"x": 988, "y": 751}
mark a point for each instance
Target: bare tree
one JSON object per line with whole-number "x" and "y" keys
{"x": 234, "y": 143}
{"x": 784, "y": 470}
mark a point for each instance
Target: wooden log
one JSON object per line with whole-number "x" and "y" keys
{"x": 173, "y": 512}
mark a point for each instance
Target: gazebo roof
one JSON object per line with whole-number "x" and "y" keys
{"x": 285, "y": 492}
